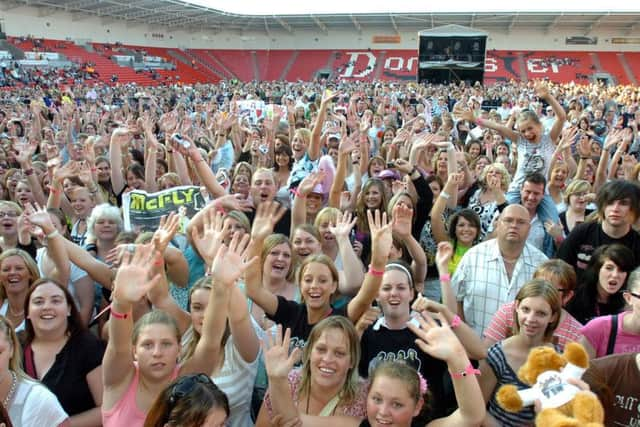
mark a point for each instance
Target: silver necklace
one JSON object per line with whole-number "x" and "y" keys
{"x": 12, "y": 390}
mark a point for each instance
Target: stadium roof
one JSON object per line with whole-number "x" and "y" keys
{"x": 200, "y": 17}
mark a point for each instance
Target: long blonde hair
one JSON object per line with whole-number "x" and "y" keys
{"x": 31, "y": 265}
{"x": 15, "y": 362}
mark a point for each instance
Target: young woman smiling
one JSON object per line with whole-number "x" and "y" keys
{"x": 140, "y": 361}
{"x": 536, "y": 313}
{"x": 389, "y": 337}
{"x": 61, "y": 353}
{"x": 317, "y": 278}
{"x": 18, "y": 270}
{"x": 396, "y": 392}
{"x": 327, "y": 383}
{"x": 236, "y": 357}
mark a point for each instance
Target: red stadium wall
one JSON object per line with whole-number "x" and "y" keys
{"x": 210, "y": 65}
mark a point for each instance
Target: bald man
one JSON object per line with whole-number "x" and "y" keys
{"x": 491, "y": 273}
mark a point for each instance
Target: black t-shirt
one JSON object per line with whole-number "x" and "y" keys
{"x": 563, "y": 220}
{"x": 293, "y": 315}
{"x": 283, "y": 226}
{"x": 585, "y": 238}
{"x": 67, "y": 377}
{"x": 399, "y": 344}
{"x": 584, "y": 314}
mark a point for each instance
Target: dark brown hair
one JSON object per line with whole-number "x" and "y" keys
{"x": 74, "y": 319}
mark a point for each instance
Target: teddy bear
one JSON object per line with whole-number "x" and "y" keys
{"x": 563, "y": 404}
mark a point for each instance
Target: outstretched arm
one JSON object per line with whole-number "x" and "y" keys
{"x": 542, "y": 90}
{"x": 267, "y": 215}
{"x": 352, "y": 268}
{"x": 228, "y": 265}
{"x": 382, "y": 239}
{"x": 439, "y": 341}
{"x": 131, "y": 285}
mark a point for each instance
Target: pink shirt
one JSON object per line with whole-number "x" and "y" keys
{"x": 598, "y": 329}
{"x": 501, "y": 326}
{"x": 126, "y": 412}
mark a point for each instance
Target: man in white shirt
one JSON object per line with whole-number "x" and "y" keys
{"x": 491, "y": 273}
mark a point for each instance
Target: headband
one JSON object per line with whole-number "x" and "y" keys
{"x": 398, "y": 266}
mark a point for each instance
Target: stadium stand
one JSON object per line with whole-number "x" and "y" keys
{"x": 212, "y": 65}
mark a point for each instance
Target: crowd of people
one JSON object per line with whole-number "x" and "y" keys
{"x": 365, "y": 253}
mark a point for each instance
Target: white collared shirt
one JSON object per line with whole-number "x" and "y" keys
{"x": 481, "y": 282}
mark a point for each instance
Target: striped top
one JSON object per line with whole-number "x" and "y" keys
{"x": 501, "y": 327}
{"x": 505, "y": 375}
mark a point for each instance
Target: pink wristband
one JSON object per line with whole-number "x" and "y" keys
{"x": 456, "y": 321}
{"x": 374, "y": 272}
{"x": 297, "y": 193}
{"x": 445, "y": 277}
{"x": 468, "y": 371}
{"x": 118, "y": 315}
{"x": 480, "y": 121}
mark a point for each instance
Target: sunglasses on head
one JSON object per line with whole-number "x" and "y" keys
{"x": 185, "y": 385}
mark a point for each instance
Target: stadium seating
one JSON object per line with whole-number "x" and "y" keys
{"x": 212, "y": 65}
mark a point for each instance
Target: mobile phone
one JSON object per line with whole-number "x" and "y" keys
{"x": 263, "y": 149}
{"x": 391, "y": 165}
{"x": 178, "y": 138}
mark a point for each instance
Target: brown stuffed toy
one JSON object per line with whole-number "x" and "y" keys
{"x": 563, "y": 404}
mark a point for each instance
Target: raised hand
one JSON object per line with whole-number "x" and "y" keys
{"x": 346, "y": 146}
{"x": 554, "y": 230}
{"x": 398, "y": 186}
{"x": 542, "y": 89}
{"x": 213, "y": 233}
{"x": 168, "y": 228}
{"x": 568, "y": 137}
{"x": 444, "y": 253}
{"x": 277, "y": 359}
{"x": 121, "y": 135}
{"x": 344, "y": 224}
{"x": 267, "y": 216}
{"x": 494, "y": 183}
{"x": 367, "y": 319}
{"x": 584, "y": 146}
{"x": 402, "y": 216}
{"x": 381, "y": 236}
{"x": 613, "y": 138}
{"x": 309, "y": 182}
{"x": 403, "y": 166}
{"x": 464, "y": 113}
{"x": 39, "y": 217}
{"x": 234, "y": 202}
{"x": 438, "y": 341}
{"x": 24, "y": 151}
{"x": 132, "y": 278}
{"x": 365, "y": 124}
{"x": 230, "y": 261}
{"x": 345, "y": 200}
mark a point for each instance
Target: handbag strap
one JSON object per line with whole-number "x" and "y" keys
{"x": 613, "y": 333}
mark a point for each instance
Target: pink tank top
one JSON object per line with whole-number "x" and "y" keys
{"x": 126, "y": 412}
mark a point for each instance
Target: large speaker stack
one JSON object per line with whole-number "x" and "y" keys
{"x": 451, "y": 53}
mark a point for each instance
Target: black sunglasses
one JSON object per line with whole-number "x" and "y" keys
{"x": 185, "y": 385}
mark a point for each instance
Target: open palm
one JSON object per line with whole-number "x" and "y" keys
{"x": 230, "y": 261}
{"x": 132, "y": 279}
